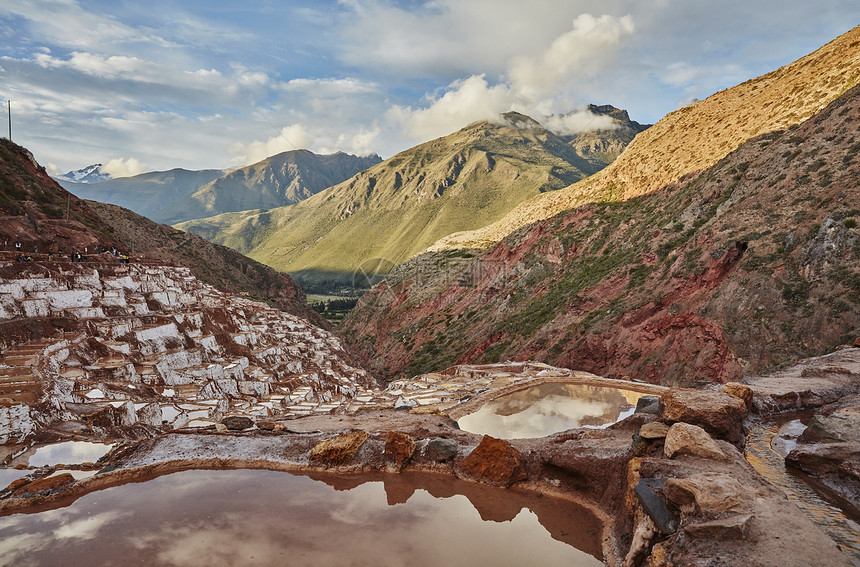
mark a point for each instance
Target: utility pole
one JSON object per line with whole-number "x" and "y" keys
{"x": 9, "y": 104}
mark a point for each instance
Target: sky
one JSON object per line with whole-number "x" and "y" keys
{"x": 143, "y": 86}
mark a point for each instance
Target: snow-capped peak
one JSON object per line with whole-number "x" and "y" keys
{"x": 90, "y": 174}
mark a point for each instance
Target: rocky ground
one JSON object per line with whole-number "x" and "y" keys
{"x": 828, "y": 449}
{"x": 177, "y": 375}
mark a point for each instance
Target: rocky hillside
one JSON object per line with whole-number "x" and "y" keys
{"x": 280, "y": 180}
{"x": 603, "y": 146}
{"x": 195, "y": 354}
{"x": 40, "y": 214}
{"x": 44, "y": 217}
{"x": 149, "y": 194}
{"x": 214, "y": 264}
{"x": 752, "y": 263}
{"x": 698, "y": 136}
{"x": 397, "y": 208}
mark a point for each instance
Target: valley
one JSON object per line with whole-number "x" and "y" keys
{"x": 397, "y": 208}
{"x": 630, "y": 345}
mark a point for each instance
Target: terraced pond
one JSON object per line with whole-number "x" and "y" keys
{"x": 259, "y": 517}
{"x": 549, "y": 408}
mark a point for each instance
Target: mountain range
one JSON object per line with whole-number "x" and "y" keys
{"x": 283, "y": 179}
{"x": 150, "y": 194}
{"x": 395, "y": 209}
{"x": 721, "y": 242}
{"x": 178, "y": 195}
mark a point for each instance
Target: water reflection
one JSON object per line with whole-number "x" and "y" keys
{"x": 550, "y": 408}
{"x": 247, "y": 517}
{"x": 66, "y": 453}
{"x": 8, "y": 476}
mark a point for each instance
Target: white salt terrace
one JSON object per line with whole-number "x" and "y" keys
{"x": 202, "y": 356}
{"x": 201, "y": 346}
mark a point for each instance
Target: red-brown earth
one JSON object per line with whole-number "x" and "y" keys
{"x": 746, "y": 266}
{"x": 38, "y": 213}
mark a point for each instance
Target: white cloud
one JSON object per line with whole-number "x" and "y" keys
{"x": 451, "y": 38}
{"x": 365, "y": 142}
{"x": 534, "y": 84}
{"x": 581, "y": 52}
{"x": 66, "y": 23}
{"x": 119, "y": 167}
{"x": 319, "y": 138}
{"x": 293, "y": 137}
{"x": 120, "y": 73}
{"x": 464, "y": 102}
{"x": 580, "y": 120}
{"x": 330, "y": 87}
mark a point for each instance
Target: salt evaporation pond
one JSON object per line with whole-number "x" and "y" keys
{"x": 65, "y": 453}
{"x": 549, "y": 408}
{"x": 258, "y": 517}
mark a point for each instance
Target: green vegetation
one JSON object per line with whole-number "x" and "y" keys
{"x": 333, "y": 310}
{"x": 398, "y": 208}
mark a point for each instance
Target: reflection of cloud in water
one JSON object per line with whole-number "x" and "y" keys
{"x": 68, "y": 453}
{"x": 54, "y": 529}
{"x": 224, "y": 518}
{"x": 16, "y": 550}
{"x": 8, "y": 476}
{"x": 85, "y": 528}
{"x": 547, "y": 409}
{"x": 365, "y": 506}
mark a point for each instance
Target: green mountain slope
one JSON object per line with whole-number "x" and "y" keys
{"x": 148, "y": 194}
{"x": 395, "y": 209}
{"x": 280, "y": 180}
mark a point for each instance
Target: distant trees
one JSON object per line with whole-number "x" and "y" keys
{"x": 334, "y": 308}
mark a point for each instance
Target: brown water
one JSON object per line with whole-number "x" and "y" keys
{"x": 254, "y": 517}
{"x": 549, "y": 408}
{"x": 767, "y": 444}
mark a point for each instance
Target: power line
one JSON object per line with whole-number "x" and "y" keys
{"x": 275, "y": 128}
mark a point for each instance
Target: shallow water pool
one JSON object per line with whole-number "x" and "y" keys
{"x": 549, "y": 408}
{"x": 256, "y": 517}
{"x": 65, "y": 453}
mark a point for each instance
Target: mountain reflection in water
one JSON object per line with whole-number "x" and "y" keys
{"x": 255, "y": 517}
{"x": 549, "y": 408}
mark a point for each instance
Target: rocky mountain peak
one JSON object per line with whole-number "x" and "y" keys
{"x": 696, "y": 137}
{"x": 520, "y": 120}
{"x": 90, "y": 174}
{"x": 609, "y": 110}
